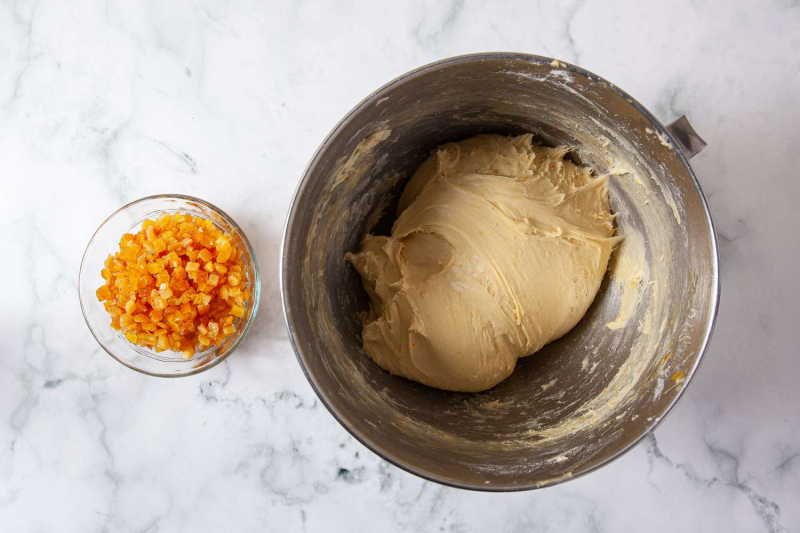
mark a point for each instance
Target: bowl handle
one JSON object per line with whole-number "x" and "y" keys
{"x": 686, "y": 138}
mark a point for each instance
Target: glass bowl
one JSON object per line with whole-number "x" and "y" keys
{"x": 105, "y": 241}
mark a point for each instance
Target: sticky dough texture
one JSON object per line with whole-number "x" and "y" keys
{"x": 499, "y": 247}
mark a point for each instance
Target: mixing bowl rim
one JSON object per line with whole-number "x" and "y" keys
{"x": 289, "y": 310}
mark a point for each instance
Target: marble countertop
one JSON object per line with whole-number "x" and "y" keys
{"x": 105, "y": 102}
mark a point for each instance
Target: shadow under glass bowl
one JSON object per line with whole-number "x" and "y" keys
{"x": 105, "y": 241}
{"x": 582, "y": 400}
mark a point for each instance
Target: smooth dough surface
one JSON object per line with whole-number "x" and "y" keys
{"x": 499, "y": 247}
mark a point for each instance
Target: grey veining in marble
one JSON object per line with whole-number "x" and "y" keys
{"x": 103, "y": 102}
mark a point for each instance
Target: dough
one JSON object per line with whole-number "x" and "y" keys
{"x": 499, "y": 248}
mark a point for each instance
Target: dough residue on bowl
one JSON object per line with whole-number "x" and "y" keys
{"x": 500, "y": 247}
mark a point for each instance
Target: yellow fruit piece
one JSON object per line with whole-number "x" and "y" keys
{"x": 174, "y": 260}
{"x": 131, "y": 252}
{"x": 103, "y": 293}
{"x": 237, "y": 310}
{"x": 163, "y": 343}
{"x": 204, "y": 255}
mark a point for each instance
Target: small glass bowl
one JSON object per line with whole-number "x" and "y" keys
{"x": 105, "y": 241}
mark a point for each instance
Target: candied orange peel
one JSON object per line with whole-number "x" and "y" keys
{"x": 178, "y": 284}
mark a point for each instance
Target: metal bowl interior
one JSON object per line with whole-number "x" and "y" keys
{"x": 582, "y": 400}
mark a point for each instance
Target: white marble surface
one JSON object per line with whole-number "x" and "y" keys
{"x": 105, "y": 102}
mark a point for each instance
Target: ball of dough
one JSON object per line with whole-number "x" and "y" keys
{"x": 500, "y": 247}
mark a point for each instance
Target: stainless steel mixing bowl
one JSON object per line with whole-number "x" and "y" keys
{"x": 581, "y": 401}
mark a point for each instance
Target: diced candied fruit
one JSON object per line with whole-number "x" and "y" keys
{"x": 147, "y": 339}
{"x": 163, "y": 343}
{"x": 177, "y": 284}
{"x": 162, "y": 278}
{"x": 131, "y": 252}
{"x": 103, "y": 293}
{"x": 174, "y": 260}
{"x": 203, "y": 299}
{"x": 187, "y": 350}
